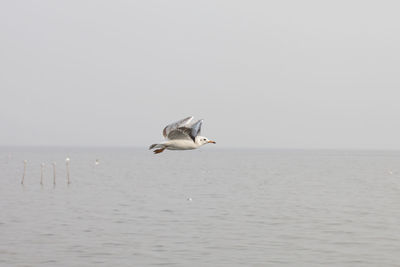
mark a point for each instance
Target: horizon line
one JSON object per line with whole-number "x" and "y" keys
{"x": 213, "y": 148}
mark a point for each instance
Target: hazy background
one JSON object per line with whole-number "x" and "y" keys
{"x": 282, "y": 74}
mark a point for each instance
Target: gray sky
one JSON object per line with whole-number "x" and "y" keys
{"x": 276, "y": 74}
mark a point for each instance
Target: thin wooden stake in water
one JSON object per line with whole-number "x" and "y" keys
{"x": 54, "y": 173}
{"x": 67, "y": 163}
{"x": 41, "y": 173}
{"x": 23, "y": 175}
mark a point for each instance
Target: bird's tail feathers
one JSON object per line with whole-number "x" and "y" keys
{"x": 156, "y": 146}
{"x": 153, "y": 146}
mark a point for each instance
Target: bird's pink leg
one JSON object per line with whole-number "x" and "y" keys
{"x": 159, "y": 150}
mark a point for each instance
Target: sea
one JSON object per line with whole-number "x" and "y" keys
{"x": 206, "y": 207}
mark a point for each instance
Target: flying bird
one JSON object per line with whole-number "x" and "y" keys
{"x": 182, "y": 135}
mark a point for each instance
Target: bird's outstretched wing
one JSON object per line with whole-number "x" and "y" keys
{"x": 182, "y": 133}
{"x": 183, "y": 129}
{"x": 179, "y": 124}
{"x": 196, "y": 129}
{"x": 186, "y": 133}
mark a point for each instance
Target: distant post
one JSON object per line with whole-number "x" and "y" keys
{"x": 23, "y": 175}
{"x": 54, "y": 173}
{"x": 41, "y": 173}
{"x": 67, "y": 165}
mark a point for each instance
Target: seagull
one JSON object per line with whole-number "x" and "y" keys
{"x": 182, "y": 135}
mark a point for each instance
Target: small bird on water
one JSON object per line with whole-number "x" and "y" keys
{"x": 182, "y": 135}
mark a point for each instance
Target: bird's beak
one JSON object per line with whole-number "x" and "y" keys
{"x": 213, "y": 142}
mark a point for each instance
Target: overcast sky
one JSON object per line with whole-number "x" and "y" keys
{"x": 275, "y": 74}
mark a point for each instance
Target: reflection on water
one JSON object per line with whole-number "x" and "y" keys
{"x": 200, "y": 208}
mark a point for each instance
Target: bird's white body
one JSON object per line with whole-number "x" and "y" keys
{"x": 183, "y": 144}
{"x": 181, "y": 135}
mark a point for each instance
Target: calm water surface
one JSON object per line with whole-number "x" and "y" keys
{"x": 208, "y": 207}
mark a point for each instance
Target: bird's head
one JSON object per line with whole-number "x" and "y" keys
{"x": 201, "y": 140}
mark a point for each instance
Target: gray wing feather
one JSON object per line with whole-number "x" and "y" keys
{"x": 173, "y": 126}
{"x": 180, "y": 133}
{"x": 196, "y": 129}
